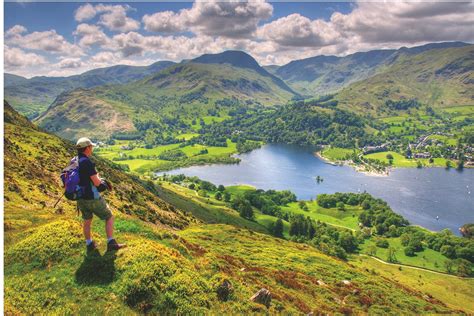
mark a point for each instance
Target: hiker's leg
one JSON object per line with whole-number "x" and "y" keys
{"x": 87, "y": 228}
{"x": 109, "y": 227}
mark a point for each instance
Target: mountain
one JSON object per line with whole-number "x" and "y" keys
{"x": 170, "y": 266}
{"x": 32, "y": 96}
{"x": 10, "y": 79}
{"x": 171, "y": 98}
{"x": 322, "y": 75}
{"x": 437, "y": 78}
{"x": 240, "y": 59}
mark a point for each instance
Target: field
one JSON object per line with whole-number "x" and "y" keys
{"x": 347, "y": 219}
{"x": 428, "y": 258}
{"x": 144, "y": 160}
{"x": 455, "y": 292}
{"x": 336, "y": 153}
{"x": 401, "y": 161}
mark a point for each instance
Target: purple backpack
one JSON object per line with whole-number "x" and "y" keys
{"x": 71, "y": 179}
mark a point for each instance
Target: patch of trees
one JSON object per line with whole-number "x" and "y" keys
{"x": 172, "y": 155}
{"x": 295, "y": 124}
{"x": 402, "y": 104}
{"x": 450, "y": 245}
{"x": 247, "y": 145}
{"x": 330, "y": 240}
{"x": 375, "y": 212}
{"x": 127, "y": 135}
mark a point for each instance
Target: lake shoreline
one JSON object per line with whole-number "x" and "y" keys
{"x": 358, "y": 168}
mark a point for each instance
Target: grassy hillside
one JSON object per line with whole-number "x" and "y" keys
{"x": 32, "y": 97}
{"x": 33, "y": 161}
{"x": 162, "y": 270}
{"x": 437, "y": 78}
{"x": 170, "y": 99}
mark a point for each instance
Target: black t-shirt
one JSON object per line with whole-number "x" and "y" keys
{"x": 86, "y": 170}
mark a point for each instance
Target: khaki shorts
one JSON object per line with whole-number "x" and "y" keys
{"x": 97, "y": 207}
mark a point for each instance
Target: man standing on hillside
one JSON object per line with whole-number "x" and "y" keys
{"x": 91, "y": 201}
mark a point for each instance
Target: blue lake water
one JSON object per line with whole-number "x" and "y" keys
{"x": 420, "y": 195}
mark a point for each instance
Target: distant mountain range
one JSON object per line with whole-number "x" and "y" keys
{"x": 32, "y": 96}
{"x": 438, "y": 74}
{"x": 328, "y": 74}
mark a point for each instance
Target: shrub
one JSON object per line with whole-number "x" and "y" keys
{"x": 49, "y": 243}
{"x": 382, "y": 243}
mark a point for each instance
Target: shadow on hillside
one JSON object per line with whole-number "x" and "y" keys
{"x": 97, "y": 269}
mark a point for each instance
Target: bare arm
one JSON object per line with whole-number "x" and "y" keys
{"x": 96, "y": 180}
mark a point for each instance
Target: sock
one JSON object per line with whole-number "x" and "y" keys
{"x": 109, "y": 239}
{"x": 88, "y": 242}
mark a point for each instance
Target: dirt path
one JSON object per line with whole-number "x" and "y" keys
{"x": 415, "y": 268}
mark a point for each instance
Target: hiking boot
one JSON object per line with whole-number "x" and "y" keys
{"x": 91, "y": 247}
{"x": 113, "y": 245}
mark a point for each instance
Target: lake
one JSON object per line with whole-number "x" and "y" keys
{"x": 420, "y": 195}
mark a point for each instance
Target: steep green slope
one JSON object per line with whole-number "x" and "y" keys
{"x": 32, "y": 96}
{"x": 437, "y": 78}
{"x": 33, "y": 160}
{"x": 170, "y": 99}
{"x": 321, "y": 75}
{"x": 46, "y": 271}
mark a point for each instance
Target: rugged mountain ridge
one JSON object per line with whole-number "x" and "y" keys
{"x": 328, "y": 74}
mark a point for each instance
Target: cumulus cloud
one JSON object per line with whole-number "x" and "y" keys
{"x": 409, "y": 22}
{"x": 114, "y": 17}
{"x": 90, "y": 35}
{"x": 212, "y": 18}
{"x": 165, "y": 21}
{"x": 297, "y": 30}
{"x": 47, "y": 41}
{"x": 16, "y": 30}
{"x": 17, "y": 58}
{"x": 85, "y": 12}
{"x": 68, "y": 63}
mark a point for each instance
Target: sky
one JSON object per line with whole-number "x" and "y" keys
{"x": 62, "y": 39}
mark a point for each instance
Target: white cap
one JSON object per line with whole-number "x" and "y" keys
{"x": 84, "y": 142}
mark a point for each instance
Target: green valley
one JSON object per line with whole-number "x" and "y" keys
{"x": 176, "y": 262}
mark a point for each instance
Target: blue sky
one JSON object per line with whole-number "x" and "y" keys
{"x": 68, "y": 38}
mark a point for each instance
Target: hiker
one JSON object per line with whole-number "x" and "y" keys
{"x": 91, "y": 202}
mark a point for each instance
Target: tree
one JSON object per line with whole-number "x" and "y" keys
{"x": 221, "y": 188}
{"x": 391, "y": 255}
{"x": 409, "y": 251}
{"x": 192, "y": 186}
{"x": 405, "y": 239}
{"x": 448, "y": 264}
{"x": 218, "y": 196}
{"x": 365, "y": 204}
{"x": 246, "y": 211}
{"x": 372, "y": 250}
{"x": 382, "y": 243}
{"x": 448, "y": 164}
{"x": 464, "y": 268}
{"x": 340, "y": 206}
{"x": 278, "y": 228}
{"x": 448, "y": 251}
{"x": 389, "y": 156}
{"x": 226, "y": 196}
